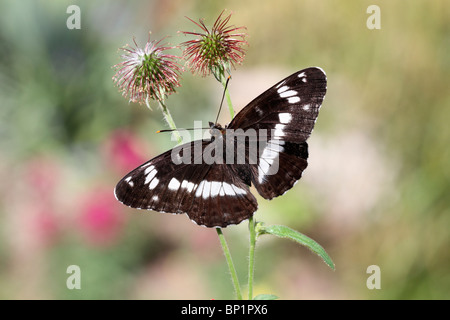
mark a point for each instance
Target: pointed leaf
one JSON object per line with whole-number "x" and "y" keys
{"x": 285, "y": 232}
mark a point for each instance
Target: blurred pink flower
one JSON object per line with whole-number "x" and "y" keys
{"x": 42, "y": 176}
{"x": 124, "y": 151}
{"x": 41, "y": 181}
{"x": 45, "y": 226}
{"x": 101, "y": 219}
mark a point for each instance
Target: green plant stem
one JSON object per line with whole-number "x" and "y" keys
{"x": 251, "y": 223}
{"x": 223, "y": 242}
{"x": 169, "y": 120}
{"x": 227, "y": 254}
{"x": 251, "y": 257}
{"x": 227, "y": 95}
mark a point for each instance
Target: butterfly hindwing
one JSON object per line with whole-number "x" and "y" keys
{"x": 279, "y": 167}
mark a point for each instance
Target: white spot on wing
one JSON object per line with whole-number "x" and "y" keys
{"x": 238, "y": 190}
{"x": 228, "y": 189}
{"x": 259, "y": 111}
{"x": 302, "y": 76}
{"x": 191, "y": 186}
{"x": 130, "y": 183}
{"x": 306, "y": 107}
{"x": 206, "y": 189}
{"x": 268, "y": 156}
{"x": 285, "y": 117}
{"x": 289, "y": 93}
{"x": 147, "y": 171}
{"x": 279, "y": 130}
{"x": 294, "y": 99}
{"x": 150, "y": 175}
{"x": 153, "y": 184}
{"x": 215, "y": 188}
{"x": 263, "y": 168}
{"x": 174, "y": 184}
{"x": 275, "y": 145}
{"x": 282, "y": 89}
{"x": 280, "y": 84}
{"x": 199, "y": 191}
{"x": 276, "y": 142}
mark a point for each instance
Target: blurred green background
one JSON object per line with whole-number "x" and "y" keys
{"x": 376, "y": 191}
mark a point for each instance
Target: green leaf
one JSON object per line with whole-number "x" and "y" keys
{"x": 285, "y": 232}
{"x": 265, "y": 297}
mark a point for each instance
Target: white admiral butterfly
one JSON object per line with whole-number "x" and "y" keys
{"x": 216, "y": 194}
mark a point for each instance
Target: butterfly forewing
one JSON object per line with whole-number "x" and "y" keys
{"x": 290, "y": 107}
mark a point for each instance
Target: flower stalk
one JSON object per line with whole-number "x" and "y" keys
{"x": 251, "y": 256}
{"x": 223, "y": 80}
{"x": 231, "y": 268}
{"x": 169, "y": 120}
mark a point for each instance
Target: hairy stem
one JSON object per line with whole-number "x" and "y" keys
{"x": 227, "y": 254}
{"x": 169, "y": 120}
{"x": 251, "y": 257}
{"x": 227, "y": 95}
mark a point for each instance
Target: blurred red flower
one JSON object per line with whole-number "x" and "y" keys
{"x": 124, "y": 151}
{"x": 102, "y": 219}
{"x": 42, "y": 178}
{"x": 45, "y": 226}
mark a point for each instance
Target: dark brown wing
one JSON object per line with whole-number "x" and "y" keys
{"x": 212, "y": 195}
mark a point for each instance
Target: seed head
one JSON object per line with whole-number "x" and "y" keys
{"x": 147, "y": 73}
{"x": 216, "y": 50}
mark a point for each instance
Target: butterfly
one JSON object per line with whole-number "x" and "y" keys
{"x": 210, "y": 179}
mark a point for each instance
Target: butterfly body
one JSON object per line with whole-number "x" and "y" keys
{"x": 264, "y": 146}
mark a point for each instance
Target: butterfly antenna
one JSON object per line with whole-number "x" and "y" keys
{"x": 223, "y": 97}
{"x": 171, "y": 130}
